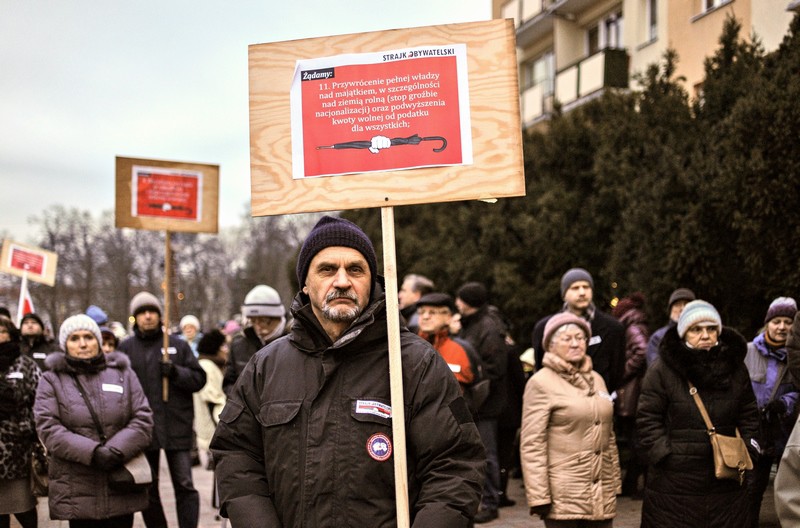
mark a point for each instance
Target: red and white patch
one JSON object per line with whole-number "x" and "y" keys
{"x": 379, "y": 447}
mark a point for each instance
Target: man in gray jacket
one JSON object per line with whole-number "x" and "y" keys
{"x": 306, "y": 438}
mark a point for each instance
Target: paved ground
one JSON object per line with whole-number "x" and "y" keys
{"x": 628, "y": 511}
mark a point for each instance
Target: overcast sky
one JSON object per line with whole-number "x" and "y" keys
{"x": 83, "y": 81}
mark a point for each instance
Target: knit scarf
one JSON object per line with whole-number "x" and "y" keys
{"x": 90, "y": 365}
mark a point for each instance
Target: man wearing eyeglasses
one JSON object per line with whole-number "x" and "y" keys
{"x": 435, "y": 311}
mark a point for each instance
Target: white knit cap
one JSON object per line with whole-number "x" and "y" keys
{"x": 75, "y": 323}
{"x": 190, "y": 320}
{"x": 697, "y": 311}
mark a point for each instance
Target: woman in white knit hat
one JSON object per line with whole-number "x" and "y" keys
{"x": 681, "y": 489}
{"x": 92, "y": 416}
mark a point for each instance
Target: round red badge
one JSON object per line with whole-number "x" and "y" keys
{"x": 379, "y": 447}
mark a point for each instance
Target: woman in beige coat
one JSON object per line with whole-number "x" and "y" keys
{"x": 567, "y": 446}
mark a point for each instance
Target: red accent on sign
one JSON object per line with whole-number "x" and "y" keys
{"x": 26, "y": 260}
{"x": 167, "y": 195}
{"x": 394, "y": 99}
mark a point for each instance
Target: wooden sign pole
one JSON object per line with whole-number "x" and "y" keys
{"x": 167, "y": 280}
{"x": 395, "y": 369}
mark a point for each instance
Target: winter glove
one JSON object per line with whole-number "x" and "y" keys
{"x": 542, "y": 510}
{"x": 107, "y": 458}
{"x": 775, "y": 408}
{"x": 168, "y": 369}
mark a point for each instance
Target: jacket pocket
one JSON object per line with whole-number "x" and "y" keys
{"x": 279, "y": 412}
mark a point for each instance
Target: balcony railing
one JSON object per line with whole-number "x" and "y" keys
{"x": 606, "y": 69}
{"x": 575, "y": 83}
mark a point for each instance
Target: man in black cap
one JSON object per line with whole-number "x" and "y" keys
{"x": 35, "y": 344}
{"x": 485, "y": 331}
{"x": 172, "y": 418}
{"x": 677, "y": 300}
{"x": 306, "y": 435}
{"x": 607, "y": 345}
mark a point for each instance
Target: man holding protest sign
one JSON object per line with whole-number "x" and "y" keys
{"x": 306, "y": 435}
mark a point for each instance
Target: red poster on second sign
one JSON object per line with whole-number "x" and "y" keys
{"x": 166, "y": 193}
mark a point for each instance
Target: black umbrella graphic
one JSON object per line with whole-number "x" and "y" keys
{"x": 411, "y": 140}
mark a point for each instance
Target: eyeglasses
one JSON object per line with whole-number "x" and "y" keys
{"x": 569, "y": 339}
{"x": 3, "y": 330}
{"x": 422, "y": 312}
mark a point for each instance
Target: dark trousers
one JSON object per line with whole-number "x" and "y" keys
{"x": 577, "y": 523}
{"x": 26, "y": 519}
{"x": 491, "y": 486}
{"x": 122, "y": 521}
{"x": 187, "y": 500}
{"x": 757, "y": 482}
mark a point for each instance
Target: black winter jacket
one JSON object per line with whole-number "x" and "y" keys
{"x": 486, "y": 333}
{"x": 173, "y": 419}
{"x": 243, "y": 346}
{"x": 681, "y": 488}
{"x": 306, "y": 436}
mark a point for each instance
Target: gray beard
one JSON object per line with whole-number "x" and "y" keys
{"x": 342, "y": 314}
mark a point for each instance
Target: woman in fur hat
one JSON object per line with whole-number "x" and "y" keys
{"x": 681, "y": 488}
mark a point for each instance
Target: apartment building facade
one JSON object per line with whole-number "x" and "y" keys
{"x": 571, "y": 51}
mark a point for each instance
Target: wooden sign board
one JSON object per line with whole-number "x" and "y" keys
{"x": 493, "y": 168}
{"x": 38, "y": 264}
{"x": 163, "y": 195}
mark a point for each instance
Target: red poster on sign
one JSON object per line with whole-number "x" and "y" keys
{"x": 25, "y": 260}
{"x": 166, "y": 193}
{"x": 387, "y": 111}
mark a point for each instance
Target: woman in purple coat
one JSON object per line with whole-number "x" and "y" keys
{"x": 79, "y": 458}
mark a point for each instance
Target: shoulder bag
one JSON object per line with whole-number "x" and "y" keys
{"x": 731, "y": 458}
{"x": 39, "y": 479}
{"x": 135, "y": 474}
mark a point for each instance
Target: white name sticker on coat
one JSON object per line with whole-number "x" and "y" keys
{"x": 595, "y": 340}
{"x": 454, "y": 368}
{"x": 172, "y": 350}
{"x": 373, "y": 407}
{"x": 39, "y": 355}
{"x": 606, "y": 395}
{"x": 110, "y": 387}
{"x": 15, "y": 375}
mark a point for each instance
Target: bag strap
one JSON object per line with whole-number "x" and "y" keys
{"x": 699, "y": 403}
{"x": 778, "y": 382}
{"x": 96, "y": 421}
{"x": 711, "y": 429}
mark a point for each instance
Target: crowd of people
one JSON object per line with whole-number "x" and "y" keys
{"x": 293, "y": 408}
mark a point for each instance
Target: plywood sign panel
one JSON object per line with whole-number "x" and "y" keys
{"x": 164, "y": 195}
{"x": 39, "y": 265}
{"x": 355, "y": 121}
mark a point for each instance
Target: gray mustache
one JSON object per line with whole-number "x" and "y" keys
{"x": 341, "y": 294}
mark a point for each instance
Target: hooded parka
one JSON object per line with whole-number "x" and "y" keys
{"x": 567, "y": 446}
{"x": 681, "y": 488}
{"x": 306, "y": 437}
{"x": 79, "y": 490}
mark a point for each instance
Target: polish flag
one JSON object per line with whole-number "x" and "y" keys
{"x": 25, "y": 302}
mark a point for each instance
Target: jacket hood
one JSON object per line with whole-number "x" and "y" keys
{"x": 57, "y": 362}
{"x": 712, "y": 368}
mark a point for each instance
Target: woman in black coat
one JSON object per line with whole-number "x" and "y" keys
{"x": 681, "y": 488}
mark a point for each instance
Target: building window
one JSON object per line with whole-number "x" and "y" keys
{"x": 606, "y": 33}
{"x": 708, "y": 5}
{"x": 540, "y": 71}
{"x": 652, "y": 19}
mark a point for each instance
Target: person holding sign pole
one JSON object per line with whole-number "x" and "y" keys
{"x": 173, "y": 418}
{"x": 306, "y": 435}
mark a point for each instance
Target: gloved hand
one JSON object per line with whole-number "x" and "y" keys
{"x": 168, "y": 369}
{"x": 107, "y": 458}
{"x": 775, "y": 408}
{"x": 542, "y": 510}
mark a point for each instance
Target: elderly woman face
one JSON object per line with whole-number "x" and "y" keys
{"x": 702, "y": 335}
{"x": 82, "y": 344}
{"x": 569, "y": 343}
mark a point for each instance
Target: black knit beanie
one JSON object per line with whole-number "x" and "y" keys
{"x": 331, "y": 232}
{"x": 210, "y": 343}
{"x": 474, "y": 294}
